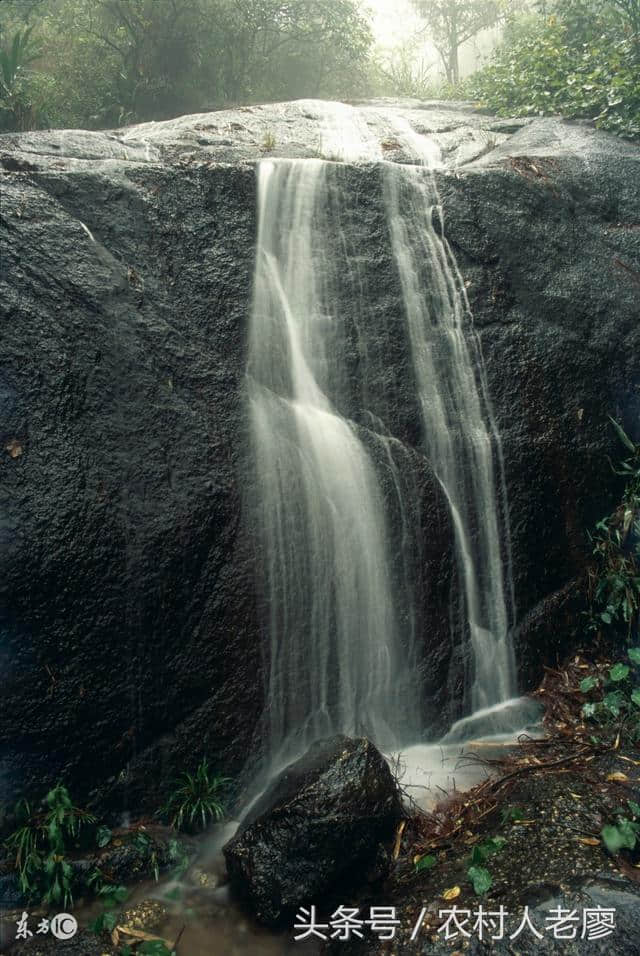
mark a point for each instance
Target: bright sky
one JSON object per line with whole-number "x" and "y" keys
{"x": 393, "y": 20}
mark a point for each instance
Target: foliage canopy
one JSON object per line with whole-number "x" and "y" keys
{"x": 580, "y": 59}
{"x": 100, "y": 63}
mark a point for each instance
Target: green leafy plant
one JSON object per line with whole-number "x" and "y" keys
{"x": 478, "y": 874}
{"x": 103, "y": 836}
{"x": 111, "y": 897}
{"x": 480, "y": 879}
{"x": 109, "y": 63}
{"x": 512, "y": 814}
{"x": 144, "y": 844}
{"x": 15, "y": 103}
{"x": 617, "y": 695}
{"x": 155, "y": 947}
{"x": 624, "y": 834}
{"x": 425, "y": 862}
{"x": 483, "y": 851}
{"x": 41, "y": 844}
{"x": 614, "y": 586}
{"x": 14, "y": 58}
{"x": 582, "y": 61}
{"x": 614, "y": 581}
{"x": 179, "y": 858}
{"x": 588, "y": 684}
{"x": 197, "y": 799}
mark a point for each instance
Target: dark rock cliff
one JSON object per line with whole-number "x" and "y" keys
{"x": 129, "y": 634}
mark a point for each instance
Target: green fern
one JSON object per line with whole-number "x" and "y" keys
{"x": 41, "y": 843}
{"x": 197, "y": 799}
{"x": 15, "y": 57}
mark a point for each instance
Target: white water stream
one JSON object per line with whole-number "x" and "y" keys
{"x": 462, "y": 442}
{"x": 339, "y": 660}
{"x": 336, "y": 663}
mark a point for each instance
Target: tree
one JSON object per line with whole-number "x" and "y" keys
{"x": 110, "y": 62}
{"x": 280, "y": 48}
{"x": 453, "y": 22}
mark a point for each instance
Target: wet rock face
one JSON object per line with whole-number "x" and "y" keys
{"x": 546, "y": 234}
{"x": 318, "y": 826}
{"x": 130, "y": 641}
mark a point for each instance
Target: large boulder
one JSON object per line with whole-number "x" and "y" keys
{"x": 320, "y": 825}
{"x": 130, "y": 639}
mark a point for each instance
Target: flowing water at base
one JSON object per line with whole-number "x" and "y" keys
{"x": 208, "y": 922}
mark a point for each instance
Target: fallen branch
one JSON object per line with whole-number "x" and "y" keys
{"x": 541, "y": 766}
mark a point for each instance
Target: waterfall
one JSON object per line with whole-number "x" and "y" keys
{"x": 342, "y": 647}
{"x": 461, "y": 440}
{"x": 336, "y": 660}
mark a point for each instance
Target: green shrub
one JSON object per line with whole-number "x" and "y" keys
{"x": 624, "y": 833}
{"x": 615, "y": 576}
{"x": 41, "y": 844}
{"x": 196, "y": 799}
{"x": 580, "y": 63}
{"x": 111, "y": 897}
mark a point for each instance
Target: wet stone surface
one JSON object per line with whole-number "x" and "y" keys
{"x": 320, "y": 825}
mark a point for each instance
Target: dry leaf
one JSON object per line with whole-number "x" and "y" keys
{"x": 452, "y": 894}
{"x": 617, "y": 777}
{"x": 589, "y": 841}
{"x": 140, "y": 934}
{"x": 14, "y": 448}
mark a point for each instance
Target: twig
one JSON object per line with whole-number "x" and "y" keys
{"x": 540, "y": 766}
{"x": 396, "y": 846}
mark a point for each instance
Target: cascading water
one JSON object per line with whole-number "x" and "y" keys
{"x": 336, "y": 662}
{"x": 462, "y": 442}
{"x": 339, "y": 661}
